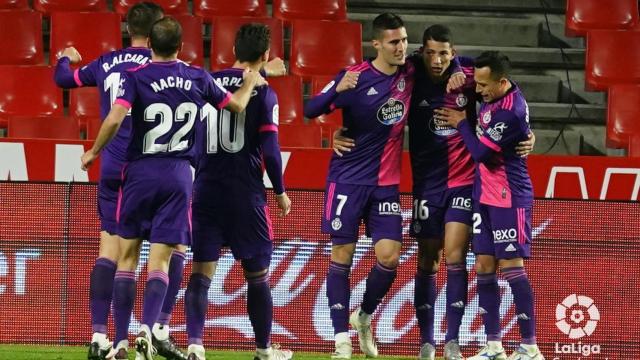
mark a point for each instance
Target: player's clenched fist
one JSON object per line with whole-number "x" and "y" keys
{"x": 284, "y": 204}
{"x": 253, "y": 77}
{"x": 73, "y": 55}
{"x": 348, "y": 82}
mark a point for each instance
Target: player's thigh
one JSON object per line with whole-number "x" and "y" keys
{"x": 482, "y": 237}
{"x": 384, "y": 215}
{"x": 343, "y": 253}
{"x": 428, "y": 218}
{"x": 344, "y": 208}
{"x": 458, "y": 221}
{"x": 207, "y": 234}
{"x": 159, "y": 257}
{"x": 251, "y": 234}
{"x": 511, "y": 232}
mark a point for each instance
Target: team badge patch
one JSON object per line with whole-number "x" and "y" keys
{"x": 401, "y": 85}
{"x": 486, "y": 117}
{"x": 461, "y": 100}
{"x": 336, "y": 224}
{"x": 417, "y": 227}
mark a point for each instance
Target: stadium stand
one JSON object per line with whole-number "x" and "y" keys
{"x": 584, "y": 15}
{"x": 210, "y": 8}
{"x": 170, "y": 7}
{"x": 289, "y": 91}
{"x": 47, "y": 127}
{"x": 604, "y": 65}
{"x": 192, "y": 51}
{"x": 21, "y": 38}
{"x": 14, "y": 5}
{"x": 49, "y": 6}
{"x": 622, "y": 115}
{"x": 289, "y": 10}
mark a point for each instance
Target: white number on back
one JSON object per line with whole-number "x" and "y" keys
{"x": 184, "y": 111}
{"x": 223, "y": 127}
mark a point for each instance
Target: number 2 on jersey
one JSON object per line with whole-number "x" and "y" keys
{"x": 223, "y": 127}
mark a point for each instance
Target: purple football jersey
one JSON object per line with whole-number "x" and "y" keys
{"x": 439, "y": 157}
{"x": 504, "y": 180}
{"x": 166, "y": 99}
{"x": 229, "y": 151}
{"x": 375, "y": 113}
{"x": 106, "y": 73}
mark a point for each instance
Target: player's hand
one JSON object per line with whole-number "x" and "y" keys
{"x": 348, "y": 81}
{"x": 450, "y": 116}
{"x": 275, "y": 67}
{"x": 73, "y": 55}
{"x": 525, "y": 148}
{"x": 341, "y": 143}
{"x": 87, "y": 159}
{"x": 284, "y": 204}
{"x": 456, "y": 80}
{"x": 253, "y": 78}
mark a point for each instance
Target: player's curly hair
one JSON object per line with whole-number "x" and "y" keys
{"x": 252, "y": 40}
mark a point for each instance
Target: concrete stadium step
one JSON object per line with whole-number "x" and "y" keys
{"x": 539, "y": 88}
{"x": 552, "y": 142}
{"x": 562, "y": 113}
{"x": 554, "y": 6}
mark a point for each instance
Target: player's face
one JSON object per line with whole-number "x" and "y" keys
{"x": 489, "y": 88}
{"x": 437, "y": 57}
{"x": 392, "y": 46}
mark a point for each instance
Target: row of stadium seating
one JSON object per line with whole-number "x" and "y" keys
{"x": 612, "y": 29}
{"x": 21, "y": 40}
{"x": 282, "y": 9}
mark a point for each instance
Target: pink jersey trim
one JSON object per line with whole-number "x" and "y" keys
{"x": 330, "y": 191}
{"x": 224, "y": 101}
{"x": 119, "y": 204}
{"x": 270, "y": 127}
{"x": 461, "y": 166}
{"x": 123, "y": 102}
{"x": 359, "y": 67}
{"x": 76, "y": 77}
{"x": 507, "y": 102}
{"x": 269, "y": 223}
{"x": 521, "y": 226}
{"x": 493, "y": 146}
{"x": 494, "y": 186}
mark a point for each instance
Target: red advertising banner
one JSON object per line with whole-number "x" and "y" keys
{"x": 567, "y": 177}
{"x": 584, "y": 272}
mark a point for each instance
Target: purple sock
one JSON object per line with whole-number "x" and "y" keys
{"x": 176, "y": 267}
{"x": 124, "y": 296}
{"x": 424, "y": 300}
{"x": 456, "y": 298}
{"x": 196, "y": 304}
{"x": 378, "y": 284}
{"x": 154, "y": 294}
{"x": 101, "y": 293}
{"x": 489, "y": 301}
{"x": 260, "y": 309}
{"x": 523, "y": 298}
{"x": 338, "y": 293}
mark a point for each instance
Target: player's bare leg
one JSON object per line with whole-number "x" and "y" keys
{"x": 338, "y": 293}
{"x": 196, "y": 304}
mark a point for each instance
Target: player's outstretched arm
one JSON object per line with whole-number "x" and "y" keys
{"x": 108, "y": 130}
{"x": 64, "y": 75}
{"x": 240, "y": 98}
{"x": 323, "y": 103}
{"x": 341, "y": 143}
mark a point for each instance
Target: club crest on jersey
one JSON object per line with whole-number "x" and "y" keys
{"x": 336, "y": 224}
{"x": 461, "y": 100}
{"x": 401, "y": 85}
{"x": 417, "y": 227}
{"x": 440, "y": 127}
{"x": 391, "y": 112}
{"x": 486, "y": 117}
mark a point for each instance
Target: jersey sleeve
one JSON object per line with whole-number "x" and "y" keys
{"x": 505, "y": 129}
{"x": 214, "y": 93}
{"x": 270, "y": 112}
{"x": 127, "y": 91}
{"x": 326, "y": 100}
{"x": 67, "y": 78}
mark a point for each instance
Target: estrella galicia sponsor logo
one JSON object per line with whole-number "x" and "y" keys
{"x": 496, "y": 131}
{"x": 336, "y": 224}
{"x": 577, "y": 316}
{"x": 441, "y": 128}
{"x": 461, "y": 100}
{"x": 389, "y": 208}
{"x": 391, "y": 112}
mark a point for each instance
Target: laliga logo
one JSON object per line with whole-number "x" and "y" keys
{"x": 577, "y": 316}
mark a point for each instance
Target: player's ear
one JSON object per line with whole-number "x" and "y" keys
{"x": 265, "y": 56}
{"x": 234, "y": 51}
{"x": 376, "y": 44}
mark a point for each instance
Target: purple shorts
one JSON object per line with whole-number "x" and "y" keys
{"x": 431, "y": 212}
{"x": 221, "y": 220}
{"x": 346, "y": 205}
{"x": 502, "y": 232}
{"x": 108, "y": 191}
{"x": 155, "y": 201}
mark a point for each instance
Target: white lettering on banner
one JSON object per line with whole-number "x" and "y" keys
{"x": 286, "y": 155}
{"x": 4, "y": 269}
{"x": 22, "y": 257}
{"x": 628, "y": 171}
{"x": 13, "y": 163}
{"x": 67, "y": 166}
{"x": 303, "y": 252}
{"x": 551, "y": 185}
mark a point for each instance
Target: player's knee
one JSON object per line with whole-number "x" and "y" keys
{"x": 342, "y": 254}
{"x": 181, "y": 248}
{"x": 485, "y": 267}
{"x": 456, "y": 256}
{"x": 207, "y": 268}
{"x": 256, "y": 266}
{"x": 389, "y": 260}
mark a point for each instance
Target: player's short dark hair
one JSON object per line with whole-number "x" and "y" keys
{"x": 496, "y": 61}
{"x": 386, "y": 21}
{"x": 141, "y": 17}
{"x": 437, "y": 32}
{"x": 166, "y": 36}
{"x": 252, "y": 40}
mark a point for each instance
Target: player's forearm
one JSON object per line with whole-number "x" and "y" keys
{"x": 479, "y": 152}
{"x": 320, "y": 104}
{"x": 64, "y": 76}
{"x": 240, "y": 98}
{"x": 109, "y": 127}
{"x": 272, "y": 160}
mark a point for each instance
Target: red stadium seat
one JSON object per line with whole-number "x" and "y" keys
{"x": 290, "y": 135}
{"x": 14, "y": 4}
{"x": 622, "y": 115}
{"x": 324, "y": 47}
{"x": 211, "y": 8}
{"x": 81, "y": 30}
{"x": 50, "y": 6}
{"x": 604, "y": 66}
{"x": 223, "y": 37}
{"x": 289, "y": 91}
{"x": 21, "y": 38}
{"x": 289, "y": 10}
{"x": 49, "y": 127}
{"x": 93, "y": 127}
{"x": 28, "y": 91}
{"x": 84, "y": 102}
{"x": 584, "y": 15}
{"x": 192, "y": 43}
{"x": 170, "y": 7}
{"x": 333, "y": 119}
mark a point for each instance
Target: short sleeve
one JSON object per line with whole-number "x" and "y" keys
{"x": 505, "y": 128}
{"x": 214, "y": 93}
{"x": 127, "y": 92}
